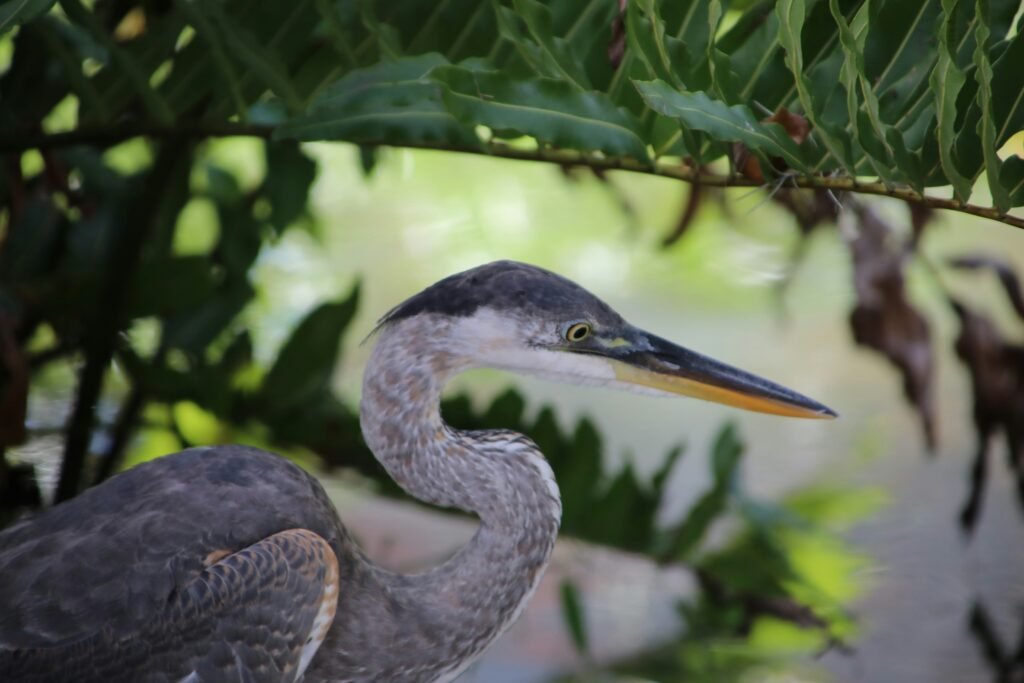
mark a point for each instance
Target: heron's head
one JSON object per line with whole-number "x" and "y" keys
{"x": 518, "y": 317}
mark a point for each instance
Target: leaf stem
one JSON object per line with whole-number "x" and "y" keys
{"x": 107, "y": 136}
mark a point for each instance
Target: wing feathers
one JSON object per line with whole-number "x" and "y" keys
{"x": 257, "y": 615}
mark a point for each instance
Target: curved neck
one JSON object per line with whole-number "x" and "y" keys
{"x": 457, "y": 609}
{"x": 484, "y": 473}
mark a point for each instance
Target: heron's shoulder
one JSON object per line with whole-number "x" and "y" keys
{"x": 117, "y": 551}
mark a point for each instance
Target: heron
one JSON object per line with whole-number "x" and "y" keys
{"x": 229, "y": 563}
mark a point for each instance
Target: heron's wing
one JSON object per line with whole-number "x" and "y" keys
{"x": 112, "y": 559}
{"x": 255, "y": 615}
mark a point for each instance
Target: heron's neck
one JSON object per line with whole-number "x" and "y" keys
{"x": 444, "y": 618}
{"x": 491, "y": 474}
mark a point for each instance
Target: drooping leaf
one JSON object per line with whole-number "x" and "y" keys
{"x": 290, "y": 174}
{"x": 996, "y": 368}
{"x": 537, "y": 18}
{"x": 885, "y": 320}
{"x": 392, "y": 102}
{"x": 201, "y": 18}
{"x": 156, "y": 106}
{"x": 553, "y": 112}
{"x": 946, "y": 81}
{"x": 732, "y": 124}
{"x": 866, "y": 125}
{"x": 792, "y": 17}
{"x": 306, "y": 361}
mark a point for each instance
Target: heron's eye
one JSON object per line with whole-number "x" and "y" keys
{"x": 577, "y": 332}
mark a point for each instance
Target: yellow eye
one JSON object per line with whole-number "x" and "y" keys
{"x": 577, "y": 332}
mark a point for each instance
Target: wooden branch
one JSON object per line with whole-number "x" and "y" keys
{"x": 101, "y": 336}
{"x": 106, "y": 136}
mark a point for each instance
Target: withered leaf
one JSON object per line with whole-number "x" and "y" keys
{"x": 690, "y": 208}
{"x": 1008, "y": 278}
{"x": 883, "y": 318}
{"x": 996, "y": 368}
{"x": 811, "y": 208}
{"x": 747, "y": 164}
{"x": 617, "y": 44}
{"x": 920, "y": 216}
{"x": 795, "y": 125}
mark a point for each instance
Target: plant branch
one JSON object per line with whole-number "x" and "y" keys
{"x": 101, "y": 337}
{"x": 106, "y": 136}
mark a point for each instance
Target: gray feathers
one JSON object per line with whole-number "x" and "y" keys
{"x": 507, "y": 286}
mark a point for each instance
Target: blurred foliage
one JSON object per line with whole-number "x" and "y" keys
{"x": 773, "y": 587}
{"x": 916, "y": 95}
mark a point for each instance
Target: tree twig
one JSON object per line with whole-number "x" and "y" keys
{"x": 106, "y": 136}
{"x": 101, "y": 335}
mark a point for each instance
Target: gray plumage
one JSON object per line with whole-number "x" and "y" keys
{"x": 230, "y": 564}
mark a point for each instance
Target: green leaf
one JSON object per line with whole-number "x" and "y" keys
{"x": 581, "y": 476}
{"x": 290, "y": 174}
{"x": 722, "y": 122}
{"x": 201, "y": 17}
{"x": 554, "y": 112}
{"x": 136, "y": 76}
{"x": 16, "y": 12}
{"x": 645, "y": 36}
{"x": 946, "y": 81}
{"x": 668, "y": 465}
{"x": 572, "y": 612}
{"x": 556, "y": 53}
{"x": 986, "y": 126}
{"x": 389, "y": 103}
{"x": 306, "y": 362}
{"x": 260, "y": 60}
{"x": 792, "y": 15}
{"x": 506, "y": 411}
{"x": 194, "y": 330}
{"x": 872, "y": 138}
{"x": 726, "y": 455}
{"x": 171, "y": 285}
{"x": 1011, "y": 176}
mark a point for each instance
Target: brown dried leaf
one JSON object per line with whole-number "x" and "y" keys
{"x": 747, "y": 164}
{"x": 14, "y": 374}
{"x": 996, "y": 367}
{"x": 796, "y": 126}
{"x": 920, "y": 216}
{"x": 883, "y": 319}
{"x": 690, "y": 208}
{"x": 811, "y": 208}
{"x": 1003, "y": 271}
{"x": 617, "y": 44}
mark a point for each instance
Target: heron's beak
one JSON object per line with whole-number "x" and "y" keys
{"x": 647, "y": 360}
